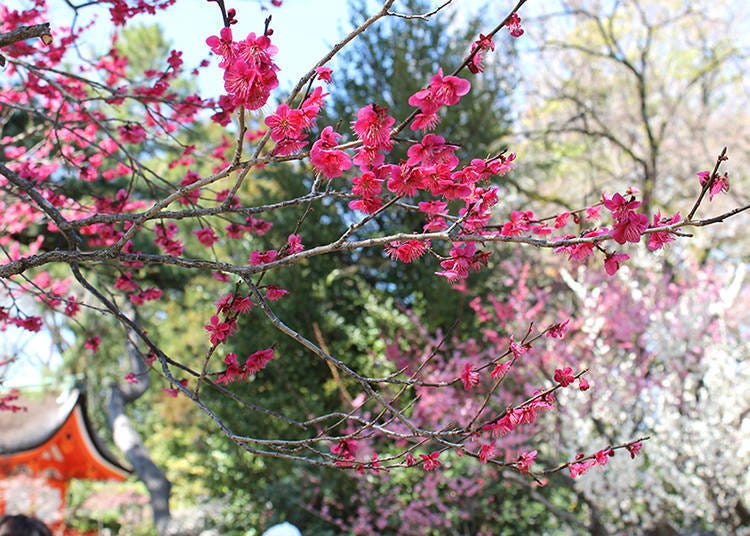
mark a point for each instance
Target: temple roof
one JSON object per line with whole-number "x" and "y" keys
{"x": 58, "y": 421}
{"x": 43, "y": 415}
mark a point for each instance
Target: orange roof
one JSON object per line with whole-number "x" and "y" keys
{"x": 54, "y": 439}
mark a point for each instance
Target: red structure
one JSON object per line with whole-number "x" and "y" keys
{"x": 45, "y": 446}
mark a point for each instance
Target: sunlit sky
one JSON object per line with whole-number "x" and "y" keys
{"x": 304, "y": 32}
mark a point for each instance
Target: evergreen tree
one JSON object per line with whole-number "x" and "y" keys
{"x": 385, "y": 66}
{"x": 353, "y": 311}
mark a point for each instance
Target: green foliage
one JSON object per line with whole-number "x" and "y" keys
{"x": 121, "y": 508}
{"x": 144, "y": 46}
{"x": 386, "y": 65}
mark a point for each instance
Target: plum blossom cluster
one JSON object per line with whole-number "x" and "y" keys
{"x": 249, "y": 70}
{"x": 7, "y": 401}
{"x": 583, "y": 463}
{"x": 490, "y": 439}
{"x": 464, "y": 258}
{"x": 629, "y": 224}
{"x": 223, "y": 324}
{"x": 326, "y": 158}
{"x": 373, "y": 128}
{"x": 479, "y": 49}
{"x": 288, "y": 126}
{"x": 28, "y": 323}
{"x": 629, "y": 227}
{"x": 82, "y": 143}
{"x": 443, "y": 90}
{"x": 718, "y": 183}
{"x": 526, "y": 414}
{"x": 54, "y": 293}
{"x": 121, "y": 10}
{"x": 431, "y": 167}
{"x": 137, "y": 295}
{"x": 672, "y": 355}
{"x": 255, "y": 362}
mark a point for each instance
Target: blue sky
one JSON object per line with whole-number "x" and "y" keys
{"x": 304, "y": 32}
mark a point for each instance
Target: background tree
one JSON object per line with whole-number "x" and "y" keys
{"x": 633, "y": 93}
{"x": 672, "y": 368}
{"x": 385, "y": 66}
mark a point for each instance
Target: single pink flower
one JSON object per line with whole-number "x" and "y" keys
{"x": 719, "y": 185}
{"x": 514, "y": 25}
{"x": 330, "y": 162}
{"x": 233, "y": 371}
{"x": 367, "y": 185}
{"x": 286, "y": 123}
{"x": 557, "y": 331}
{"x": 222, "y": 45}
{"x": 219, "y": 331}
{"x": 425, "y": 121}
{"x": 92, "y": 343}
{"x": 612, "y": 262}
{"x": 518, "y": 349}
{"x": 130, "y": 378}
{"x": 406, "y": 180}
{"x": 257, "y": 361}
{"x": 346, "y": 448}
{"x": 562, "y": 220}
{"x": 206, "y": 236}
{"x": 564, "y": 376}
{"x": 368, "y": 205}
{"x": 262, "y": 257}
{"x": 313, "y": 103}
{"x": 448, "y": 90}
{"x": 634, "y": 448}
{"x": 659, "y": 239}
{"x": 294, "y": 243}
{"x": 486, "y": 451}
{"x": 593, "y": 213}
{"x": 469, "y": 377}
{"x": 619, "y": 206}
{"x": 630, "y": 228}
{"x": 324, "y": 73}
{"x": 525, "y": 459}
{"x": 274, "y": 293}
{"x": 602, "y": 457}
{"x": 373, "y": 127}
{"x": 579, "y": 468}
{"x": 430, "y": 461}
{"x": 132, "y": 133}
{"x": 174, "y": 391}
{"x": 500, "y": 370}
{"x": 406, "y": 251}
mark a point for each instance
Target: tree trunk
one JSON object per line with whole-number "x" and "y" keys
{"x": 129, "y": 441}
